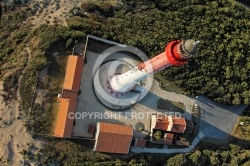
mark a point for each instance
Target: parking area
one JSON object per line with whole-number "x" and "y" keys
{"x": 217, "y": 120}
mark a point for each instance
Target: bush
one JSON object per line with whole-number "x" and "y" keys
{"x": 107, "y": 9}
{"x": 89, "y": 7}
{"x": 178, "y": 160}
{"x": 69, "y": 43}
{"x": 157, "y": 135}
{"x": 9, "y": 82}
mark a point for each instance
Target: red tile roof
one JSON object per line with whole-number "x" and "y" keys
{"x": 172, "y": 124}
{"x": 161, "y": 126}
{"x": 73, "y": 73}
{"x": 64, "y": 124}
{"x": 113, "y": 138}
{"x": 67, "y": 104}
{"x": 179, "y": 125}
{"x": 162, "y": 122}
{"x": 169, "y": 138}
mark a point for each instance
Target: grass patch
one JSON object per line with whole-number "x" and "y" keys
{"x": 71, "y": 153}
{"x": 56, "y": 73}
{"x": 167, "y": 85}
{"x": 43, "y": 116}
{"x": 27, "y": 86}
{"x": 78, "y": 152}
{"x": 170, "y": 106}
{"x": 243, "y": 128}
{"x": 43, "y": 39}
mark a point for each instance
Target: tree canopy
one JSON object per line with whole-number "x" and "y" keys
{"x": 220, "y": 69}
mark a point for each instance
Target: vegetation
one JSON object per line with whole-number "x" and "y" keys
{"x": 9, "y": 82}
{"x": 220, "y": 68}
{"x": 242, "y": 129}
{"x": 157, "y": 135}
{"x": 167, "y": 85}
{"x": 11, "y": 36}
{"x": 68, "y": 153}
{"x": 23, "y": 54}
{"x": 234, "y": 156}
{"x": 45, "y": 37}
{"x": 72, "y": 152}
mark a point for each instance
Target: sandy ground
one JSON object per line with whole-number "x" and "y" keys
{"x": 13, "y": 135}
{"x": 50, "y": 12}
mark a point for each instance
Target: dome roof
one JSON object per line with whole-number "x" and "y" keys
{"x": 190, "y": 46}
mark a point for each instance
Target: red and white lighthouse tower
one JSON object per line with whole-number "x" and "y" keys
{"x": 176, "y": 53}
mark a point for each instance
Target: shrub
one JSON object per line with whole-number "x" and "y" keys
{"x": 9, "y": 82}
{"x": 89, "y": 6}
{"x": 157, "y": 135}
{"x": 69, "y": 43}
{"x": 107, "y": 9}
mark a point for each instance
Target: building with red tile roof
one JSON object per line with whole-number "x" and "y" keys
{"x": 64, "y": 123}
{"x": 67, "y": 102}
{"x": 179, "y": 125}
{"x": 169, "y": 126}
{"x": 73, "y": 73}
{"x": 113, "y": 138}
{"x": 169, "y": 138}
{"x": 170, "y": 123}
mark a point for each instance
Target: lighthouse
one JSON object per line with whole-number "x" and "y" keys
{"x": 177, "y": 53}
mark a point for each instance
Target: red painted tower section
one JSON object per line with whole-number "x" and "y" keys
{"x": 177, "y": 53}
{"x": 172, "y": 56}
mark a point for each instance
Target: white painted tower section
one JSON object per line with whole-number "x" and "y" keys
{"x": 127, "y": 81}
{"x": 176, "y": 53}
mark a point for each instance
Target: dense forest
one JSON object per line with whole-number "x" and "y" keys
{"x": 221, "y": 68}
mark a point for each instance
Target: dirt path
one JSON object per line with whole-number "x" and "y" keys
{"x": 13, "y": 135}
